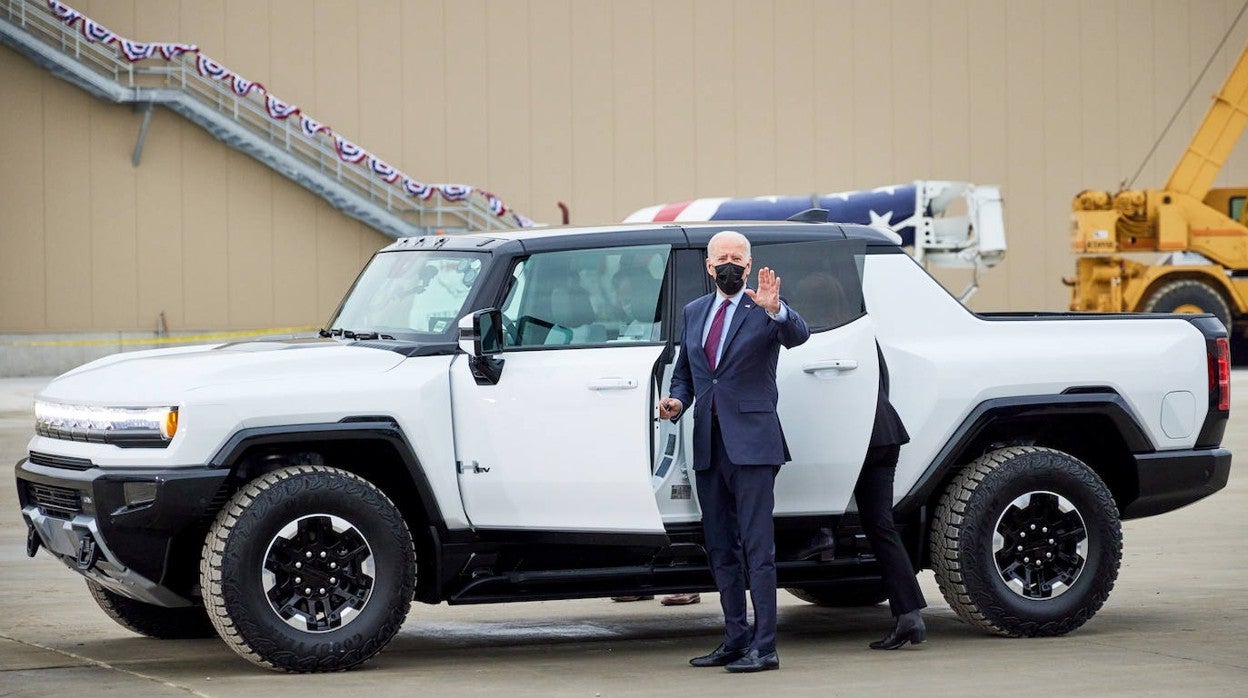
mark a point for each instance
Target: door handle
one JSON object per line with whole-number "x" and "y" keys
{"x": 612, "y": 384}
{"x": 816, "y": 367}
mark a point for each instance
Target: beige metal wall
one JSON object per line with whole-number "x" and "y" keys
{"x": 608, "y": 106}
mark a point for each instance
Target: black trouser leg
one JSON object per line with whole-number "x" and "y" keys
{"x": 874, "y": 494}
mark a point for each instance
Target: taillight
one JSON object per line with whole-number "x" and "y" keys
{"x": 1220, "y": 374}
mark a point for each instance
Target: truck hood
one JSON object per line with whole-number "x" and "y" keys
{"x": 166, "y": 376}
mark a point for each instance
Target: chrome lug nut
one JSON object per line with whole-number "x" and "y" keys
{"x": 1050, "y": 541}
{"x": 298, "y": 565}
{"x": 1026, "y": 559}
{"x": 298, "y": 580}
{"x": 308, "y": 554}
{"x": 333, "y": 565}
{"x": 307, "y": 591}
{"x": 1033, "y": 527}
{"x": 322, "y": 554}
{"x": 322, "y": 590}
{"x": 333, "y": 580}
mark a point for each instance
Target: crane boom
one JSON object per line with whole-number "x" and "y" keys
{"x": 1216, "y": 137}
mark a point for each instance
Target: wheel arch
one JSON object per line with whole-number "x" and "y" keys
{"x": 1093, "y": 424}
{"x": 372, "y": 447}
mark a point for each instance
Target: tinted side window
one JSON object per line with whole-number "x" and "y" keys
{"x": 692, "y": 282}
{"x": 586, "y": 297}
{"x": 822, "y": 280}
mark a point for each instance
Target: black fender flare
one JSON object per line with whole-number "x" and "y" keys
{"x": 363, "y": 428}
{"x": 1101, "y": 401}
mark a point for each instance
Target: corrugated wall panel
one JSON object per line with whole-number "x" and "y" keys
{"x": 675, "y": 112}
{"x": 633, "y": 103}
{"x": 23, "y": 232}
{"x": 606, "y": 105}
{"x": 794, "y": 38}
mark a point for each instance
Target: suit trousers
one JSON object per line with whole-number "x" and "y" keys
{"x": 874, "y": 494}
{"x": 737, "y": 503}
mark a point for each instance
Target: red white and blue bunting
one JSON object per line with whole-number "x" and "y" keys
{"x": 278, "y": 110}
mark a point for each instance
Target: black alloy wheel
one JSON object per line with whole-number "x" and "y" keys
{"x": 318, "y": 573}
{"x": 1040, "y": 545}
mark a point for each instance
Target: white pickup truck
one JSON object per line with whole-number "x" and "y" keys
{"x": 478, "y": 424}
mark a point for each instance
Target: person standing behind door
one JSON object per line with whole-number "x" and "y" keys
{"x": 874, "y": 494}
{"x": 727, "y": 366}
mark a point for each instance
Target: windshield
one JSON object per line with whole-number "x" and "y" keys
{"x": 411, "y": 292}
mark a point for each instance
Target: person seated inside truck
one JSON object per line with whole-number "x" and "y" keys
{"x": 575, "y": 321}
{"x": 637, "y": 305}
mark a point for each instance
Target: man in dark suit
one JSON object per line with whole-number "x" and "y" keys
{"x": 727, "y": 367}
{"x": 874, "y": 494}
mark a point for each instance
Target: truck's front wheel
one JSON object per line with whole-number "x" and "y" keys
{"x": 186, "y": 623}
{"x": 1026, "y": 541}
{"x": 308, "y": 568}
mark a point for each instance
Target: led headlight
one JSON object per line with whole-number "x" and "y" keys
{"x": 121, "y": 426}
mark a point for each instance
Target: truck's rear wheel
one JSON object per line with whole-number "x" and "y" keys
{"x": 186, "y": 623}
{"x": 1189, "y": 296}
{"x": 308, "y": 568}
{"x": 1026, "y": 542}
{"x": 848, "y": 595}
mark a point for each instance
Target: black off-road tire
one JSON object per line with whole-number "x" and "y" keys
{"x": 851, "y": 595}
{"x": 186, "y": 623}
{"x": 235, "y": 552}
{"x": 1189, "y": 292}
{"x": 969, "y": 513}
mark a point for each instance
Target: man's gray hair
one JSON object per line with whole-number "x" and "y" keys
{"x": 725, "y": 236}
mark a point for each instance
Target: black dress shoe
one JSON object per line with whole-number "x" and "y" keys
{"x": 753, "y": 661}
{"x": 720, "y": 657}
{"x": 909, "y": 628}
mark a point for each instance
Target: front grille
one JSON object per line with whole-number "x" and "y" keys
{"x": 61, "y": 502}
{"x": 65, "y": 462}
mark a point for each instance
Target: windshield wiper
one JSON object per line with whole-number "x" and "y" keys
{"x": 349, "y": 334}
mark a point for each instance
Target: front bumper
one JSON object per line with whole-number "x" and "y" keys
{"x": 1171, "y": 479}
{"x": 145, "y": 550}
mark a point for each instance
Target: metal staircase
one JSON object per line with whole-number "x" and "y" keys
{"x": 359, "y": 185}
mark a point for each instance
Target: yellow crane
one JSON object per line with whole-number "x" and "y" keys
{"x": 1203, "y": 231}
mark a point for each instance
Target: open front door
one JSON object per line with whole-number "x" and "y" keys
{"x": 829, "y": 385}
{"x": 562, "y": 441}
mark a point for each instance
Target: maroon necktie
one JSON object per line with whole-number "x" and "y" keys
{"x": 712, "y": 336}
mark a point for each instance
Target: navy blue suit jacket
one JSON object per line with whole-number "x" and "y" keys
{"x": 743, "y": 385}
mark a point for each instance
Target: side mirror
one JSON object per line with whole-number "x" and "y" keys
{"x": 481, "y": 337}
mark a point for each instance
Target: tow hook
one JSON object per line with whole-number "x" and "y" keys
{"x": 88, "y": 553}
{"x": 32, "y": 541}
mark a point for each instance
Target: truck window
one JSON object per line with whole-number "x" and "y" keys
{"x": 821, "y": 279}
{"x": 587, "y": 298}
{"x": 1236, "y": 208}
{"x": 410, "y": 292}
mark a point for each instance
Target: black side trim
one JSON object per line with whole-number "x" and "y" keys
{"x": 383, "y": 429}
{"x": 548, "y": 537}
{"x": 986, "y": 413}
{"x": 1171, "y": 479}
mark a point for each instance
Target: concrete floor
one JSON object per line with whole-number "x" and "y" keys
{"x": 1176, "y": 623}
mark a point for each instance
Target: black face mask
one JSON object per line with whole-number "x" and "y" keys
{"x": 729, "y": 277}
